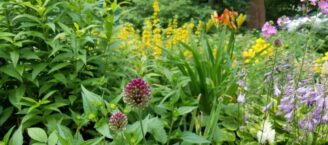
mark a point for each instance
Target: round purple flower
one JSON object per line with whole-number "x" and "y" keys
{"x": 282, "y": 21}
{"x": 323, "y": 5}
{"x": 118, "y": 121}
{"x": 137, "y": 93}
{"x": 268, "y": 30}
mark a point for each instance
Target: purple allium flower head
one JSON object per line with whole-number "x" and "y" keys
{"x": 277, "y": 43}
{"x": 266, "y": 107}
{"x": 241, "y": 98}
{"x": 283, "y": 20}
{"x": 137, "y": 93}
{"x": 118, "y": 121}
{"x": 268, "y": 30}
{"x": 323, "y": 5}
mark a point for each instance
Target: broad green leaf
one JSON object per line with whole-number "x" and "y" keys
{"x": 52, "y": 26}
{"x": 16, "y": 96}
{"x": 17, "y": 138}
{"x": 37, "y": 69}
{"x": 221, "y": 135}
{"x": 191, "y": 137}
{"x": 58, "y": 67}
{"x": 29, "y": 54}
{"x": 53, "y": 139}
{"x": 61, "y": 78}
{"x": 39, "y": 143}
{"x": 185, "y": 109}
{"x": 230, "y": 123}
{"x": 27, "y": 17}
{"x": 90, "y": 101}
{"x": 5, "y": 139}
{"x": 37, "y": 134}
{"x": 231, "y": 110}
{"x": 5, "y": 115}
{"x": 29, "y": 33}
{"x": 11, "y": 71}
{"x": 156, "y": 128}
{"x": 103, "y": 128}
{"x": 94, "y": 141}
{"x": 14, "y": 55}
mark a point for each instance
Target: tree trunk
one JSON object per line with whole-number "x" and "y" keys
{"x": 255, "y": 13}
{"x": 211, "y": 2}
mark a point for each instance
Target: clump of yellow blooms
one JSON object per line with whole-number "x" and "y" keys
{"x": 260, "y": 48}
{"x": 320, "y": 66}
{"x": 153, "y": 36}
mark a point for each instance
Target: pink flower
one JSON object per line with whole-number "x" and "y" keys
{"x": 137, "y": 93}
{"x": 283, "y": 20}
{"x": 323, "y": 5}
{"x": 118, "y": 121}
{"x": 268, "y": 30}
{"x": 313, "y": 2}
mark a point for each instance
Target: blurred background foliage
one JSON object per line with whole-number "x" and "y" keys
{"x": 186, "y": 10}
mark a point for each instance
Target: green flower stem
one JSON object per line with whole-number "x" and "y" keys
{"x": 141, "y": 125}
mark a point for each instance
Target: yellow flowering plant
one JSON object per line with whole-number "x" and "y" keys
{"x": 261, "y": 49}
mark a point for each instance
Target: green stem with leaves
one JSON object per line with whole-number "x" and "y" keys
{"x": 141, "y": 126}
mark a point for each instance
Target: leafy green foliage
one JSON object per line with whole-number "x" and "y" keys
{"x": 184, "y": 9}
{"x": 48, "y": 49}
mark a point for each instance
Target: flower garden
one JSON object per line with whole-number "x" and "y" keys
{"x": 78, "y": 73}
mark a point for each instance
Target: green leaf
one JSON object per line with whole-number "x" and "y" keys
{"x": 61, "y": 78}
{"x": 37, "y": 69}
{"x": 230, "y": 124}
{"x": 27, "y": 17}
{"x": 221, "y": 135}
{"x": 17, "y": 138}
{"x": 94, "y": 141}
{"x": 53, "y": 139}
{"x": 37, "y": 134}
{"x": 156, "y": 128}
{"x": 5, "y": 115}
{"x": 7, "y": 135}
{"x": 90, "y": 101}
{"x": 16, "y": 96}
{"x": 185, "y": 109}
{"x": 191, "y": 137}
{"x": 11, "y": 71}
{"x": 231, "y": 110}
{"x": 39, "y": 143}
{"x": 58, "y": 66}
{"x": 52, "y": 26}
{"x": 103, "y": 128}
{"x": 14, "y": 55}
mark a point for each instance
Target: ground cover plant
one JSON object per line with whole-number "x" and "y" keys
{"x": 76, "y": 73}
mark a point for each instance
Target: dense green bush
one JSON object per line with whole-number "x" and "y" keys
{"x": 49, "y": 49}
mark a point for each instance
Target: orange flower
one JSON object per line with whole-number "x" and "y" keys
{"x": 227, "y": 18}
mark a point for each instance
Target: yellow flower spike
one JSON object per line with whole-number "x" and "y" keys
{"x": 156, "y": 7}
{"x": 241, "y": 19}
